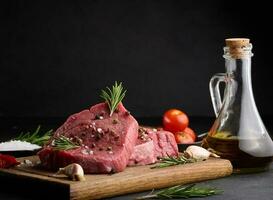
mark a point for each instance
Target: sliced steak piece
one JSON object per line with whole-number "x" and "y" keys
{"x": 144, "y": 151}
{"x": 164, "y": 142}
{"x": 107, "y": 142}
{"x": 152, "y": 145}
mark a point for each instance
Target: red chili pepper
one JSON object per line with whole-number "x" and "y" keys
{"x": 7, "y": 161}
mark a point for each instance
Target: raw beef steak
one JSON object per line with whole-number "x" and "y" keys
{"x": 106, "y": 142}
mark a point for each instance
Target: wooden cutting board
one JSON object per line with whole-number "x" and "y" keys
{"x": 133, "y": 179}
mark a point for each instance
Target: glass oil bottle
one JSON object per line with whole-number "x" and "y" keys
{"x": 238, "y": 133}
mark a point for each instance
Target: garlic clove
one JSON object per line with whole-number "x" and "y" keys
{"x": 198, "y": 153}
{"x": 74, "y": 171}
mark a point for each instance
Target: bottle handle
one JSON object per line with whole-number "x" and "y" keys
{"x": 215, "y": 91}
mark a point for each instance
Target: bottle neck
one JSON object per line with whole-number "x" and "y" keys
{"x": 239, "y": 68}
{"x": 238, "y": 63}
{"x": 239, "y": 86}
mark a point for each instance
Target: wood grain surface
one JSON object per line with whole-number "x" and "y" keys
{"x": 133, "y": 179}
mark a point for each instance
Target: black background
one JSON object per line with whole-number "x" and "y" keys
{"x": 56, "y": 56}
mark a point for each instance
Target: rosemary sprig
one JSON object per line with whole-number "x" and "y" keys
{"x": 182, "y": 192}
{"x": 113, "y": 97}
{"x": 170, "y": 161}
{"x": 36, "y": 137}
{"x": 63, "y": 143}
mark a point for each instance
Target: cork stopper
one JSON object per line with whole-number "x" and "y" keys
{"x": 236, "y": 46}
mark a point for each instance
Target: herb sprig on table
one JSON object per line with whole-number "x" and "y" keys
{"x": 182, "y": 192}
{"x": 113, "y": 96}
{"x": 36, "y": 137}
{"x": 171, "y": 161}
{"x": 64, "y": 143}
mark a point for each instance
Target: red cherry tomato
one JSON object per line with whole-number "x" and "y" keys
{"x": 189, "y": 131}
{"x": 175, "y": 120}
{"x": 185, "y": 137}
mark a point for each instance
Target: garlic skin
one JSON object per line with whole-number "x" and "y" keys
{"x": 74, "y": 171}
{"x": 198, "y": 153}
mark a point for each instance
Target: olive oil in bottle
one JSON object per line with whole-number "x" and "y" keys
{"x": 242, "y": 161}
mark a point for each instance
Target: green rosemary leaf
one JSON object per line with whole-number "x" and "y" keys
{"x": 36, "y": 137}
{"x": 170, "y": 161}
{"x": 63, "y": 143}
{"x": 182, "y": 192}
{"x": 113, "y": 96}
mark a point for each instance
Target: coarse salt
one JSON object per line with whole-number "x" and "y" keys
{"x": 17, "y": 145}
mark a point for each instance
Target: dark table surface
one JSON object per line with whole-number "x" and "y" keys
{"x": 247, "y": 186}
